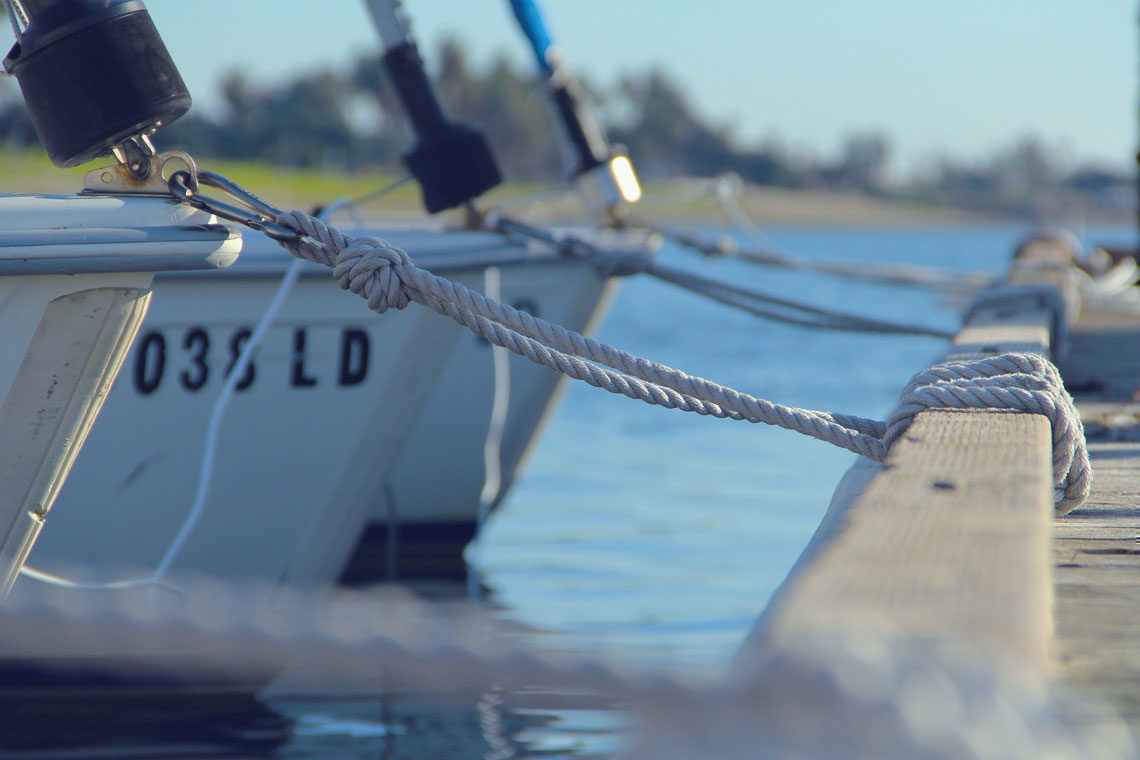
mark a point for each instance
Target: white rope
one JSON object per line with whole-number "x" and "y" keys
{"x": 51, "y": 579}
{"x": 727, "y": 189}
{"x": 493, "y": 442}
{"x": 1111, "y": 287}
{"x": 1019, "y": 381}
{"x": 386, "y": 277}
{"x": 1109, "y": 279}
{"x": 217, "y": 414}
{"x": 213, "y": 428}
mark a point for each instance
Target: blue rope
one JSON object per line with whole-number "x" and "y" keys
{"x": 532, "y": 25}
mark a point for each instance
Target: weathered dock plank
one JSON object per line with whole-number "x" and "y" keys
{"x": 924, "y": 550}
{"x": 952, "y": 539}
{"x": 1097, "y": 548}
{"x": 1105, "y": 359}
{"x": 955, "y": 537}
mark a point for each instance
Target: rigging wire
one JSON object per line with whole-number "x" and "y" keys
{"x": 766, "y": 252}
{"x": 493, "y": 443}
{"x": 750, "y": 300}
{"x": 351, "y": 205}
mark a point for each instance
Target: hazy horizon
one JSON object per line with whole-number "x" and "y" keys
{"x": 963, "y": 78}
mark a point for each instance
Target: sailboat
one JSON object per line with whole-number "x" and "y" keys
{"x": 336, "y": 416}
{"x": 401, "y": 404}
{"x": 75, "y": 277}
{"x": 343, "y": 415}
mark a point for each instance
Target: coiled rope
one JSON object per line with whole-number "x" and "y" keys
{"x": 1020, "y": 381}
{"x": 386, "y": 278}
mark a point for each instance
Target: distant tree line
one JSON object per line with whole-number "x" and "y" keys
{"x": 1025, "y": 177}
{"x": 350, "y": 120}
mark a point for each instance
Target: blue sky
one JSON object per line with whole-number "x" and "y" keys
{"x": 961, "y": 76}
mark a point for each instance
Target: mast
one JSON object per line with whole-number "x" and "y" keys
{"x": 603, "y": 172}
{"x": 451, "y": 161}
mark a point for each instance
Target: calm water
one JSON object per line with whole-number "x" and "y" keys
{"x": 657, "y": 535}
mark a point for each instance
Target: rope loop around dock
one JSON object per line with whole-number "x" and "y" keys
{"x": 1022, "y": 382}
{"x": 386, "y": 277}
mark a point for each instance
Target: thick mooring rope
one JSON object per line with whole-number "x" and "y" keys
{"x": 386, "y": 278}
{"x": 1020, "y": 381}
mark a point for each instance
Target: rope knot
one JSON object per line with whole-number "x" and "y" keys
{"x": 367, "y": 266}
{"x": 387, "y": 278}
{"x": 1017, "y": 381}
{"x": 370, "y": 267}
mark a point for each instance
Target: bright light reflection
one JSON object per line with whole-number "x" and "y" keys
{"x": 626, "y": 179}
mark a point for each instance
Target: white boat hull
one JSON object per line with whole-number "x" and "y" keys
{"x": 348, "y": 416}
{"x": 75, "y": 274}
{"x": 428, "y": 510}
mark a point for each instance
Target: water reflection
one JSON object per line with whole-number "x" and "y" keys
{"x": 392, "y": 721}
{"x": 65, "y": 713}
{"x": 649, "y": 534}
{"x": 493, "y": 725}
{"x": 92, "y": 724}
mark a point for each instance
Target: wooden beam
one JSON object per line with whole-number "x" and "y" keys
{"x": 951, "y": 539}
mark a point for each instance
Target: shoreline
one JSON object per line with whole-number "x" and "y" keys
{"x": 681, "y": 201}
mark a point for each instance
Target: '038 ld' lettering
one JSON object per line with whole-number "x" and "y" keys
{"x": 186, "y": 358}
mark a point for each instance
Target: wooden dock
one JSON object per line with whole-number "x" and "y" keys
{"x": 955, "y": 539}
{"x": 1096, "y": 549}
